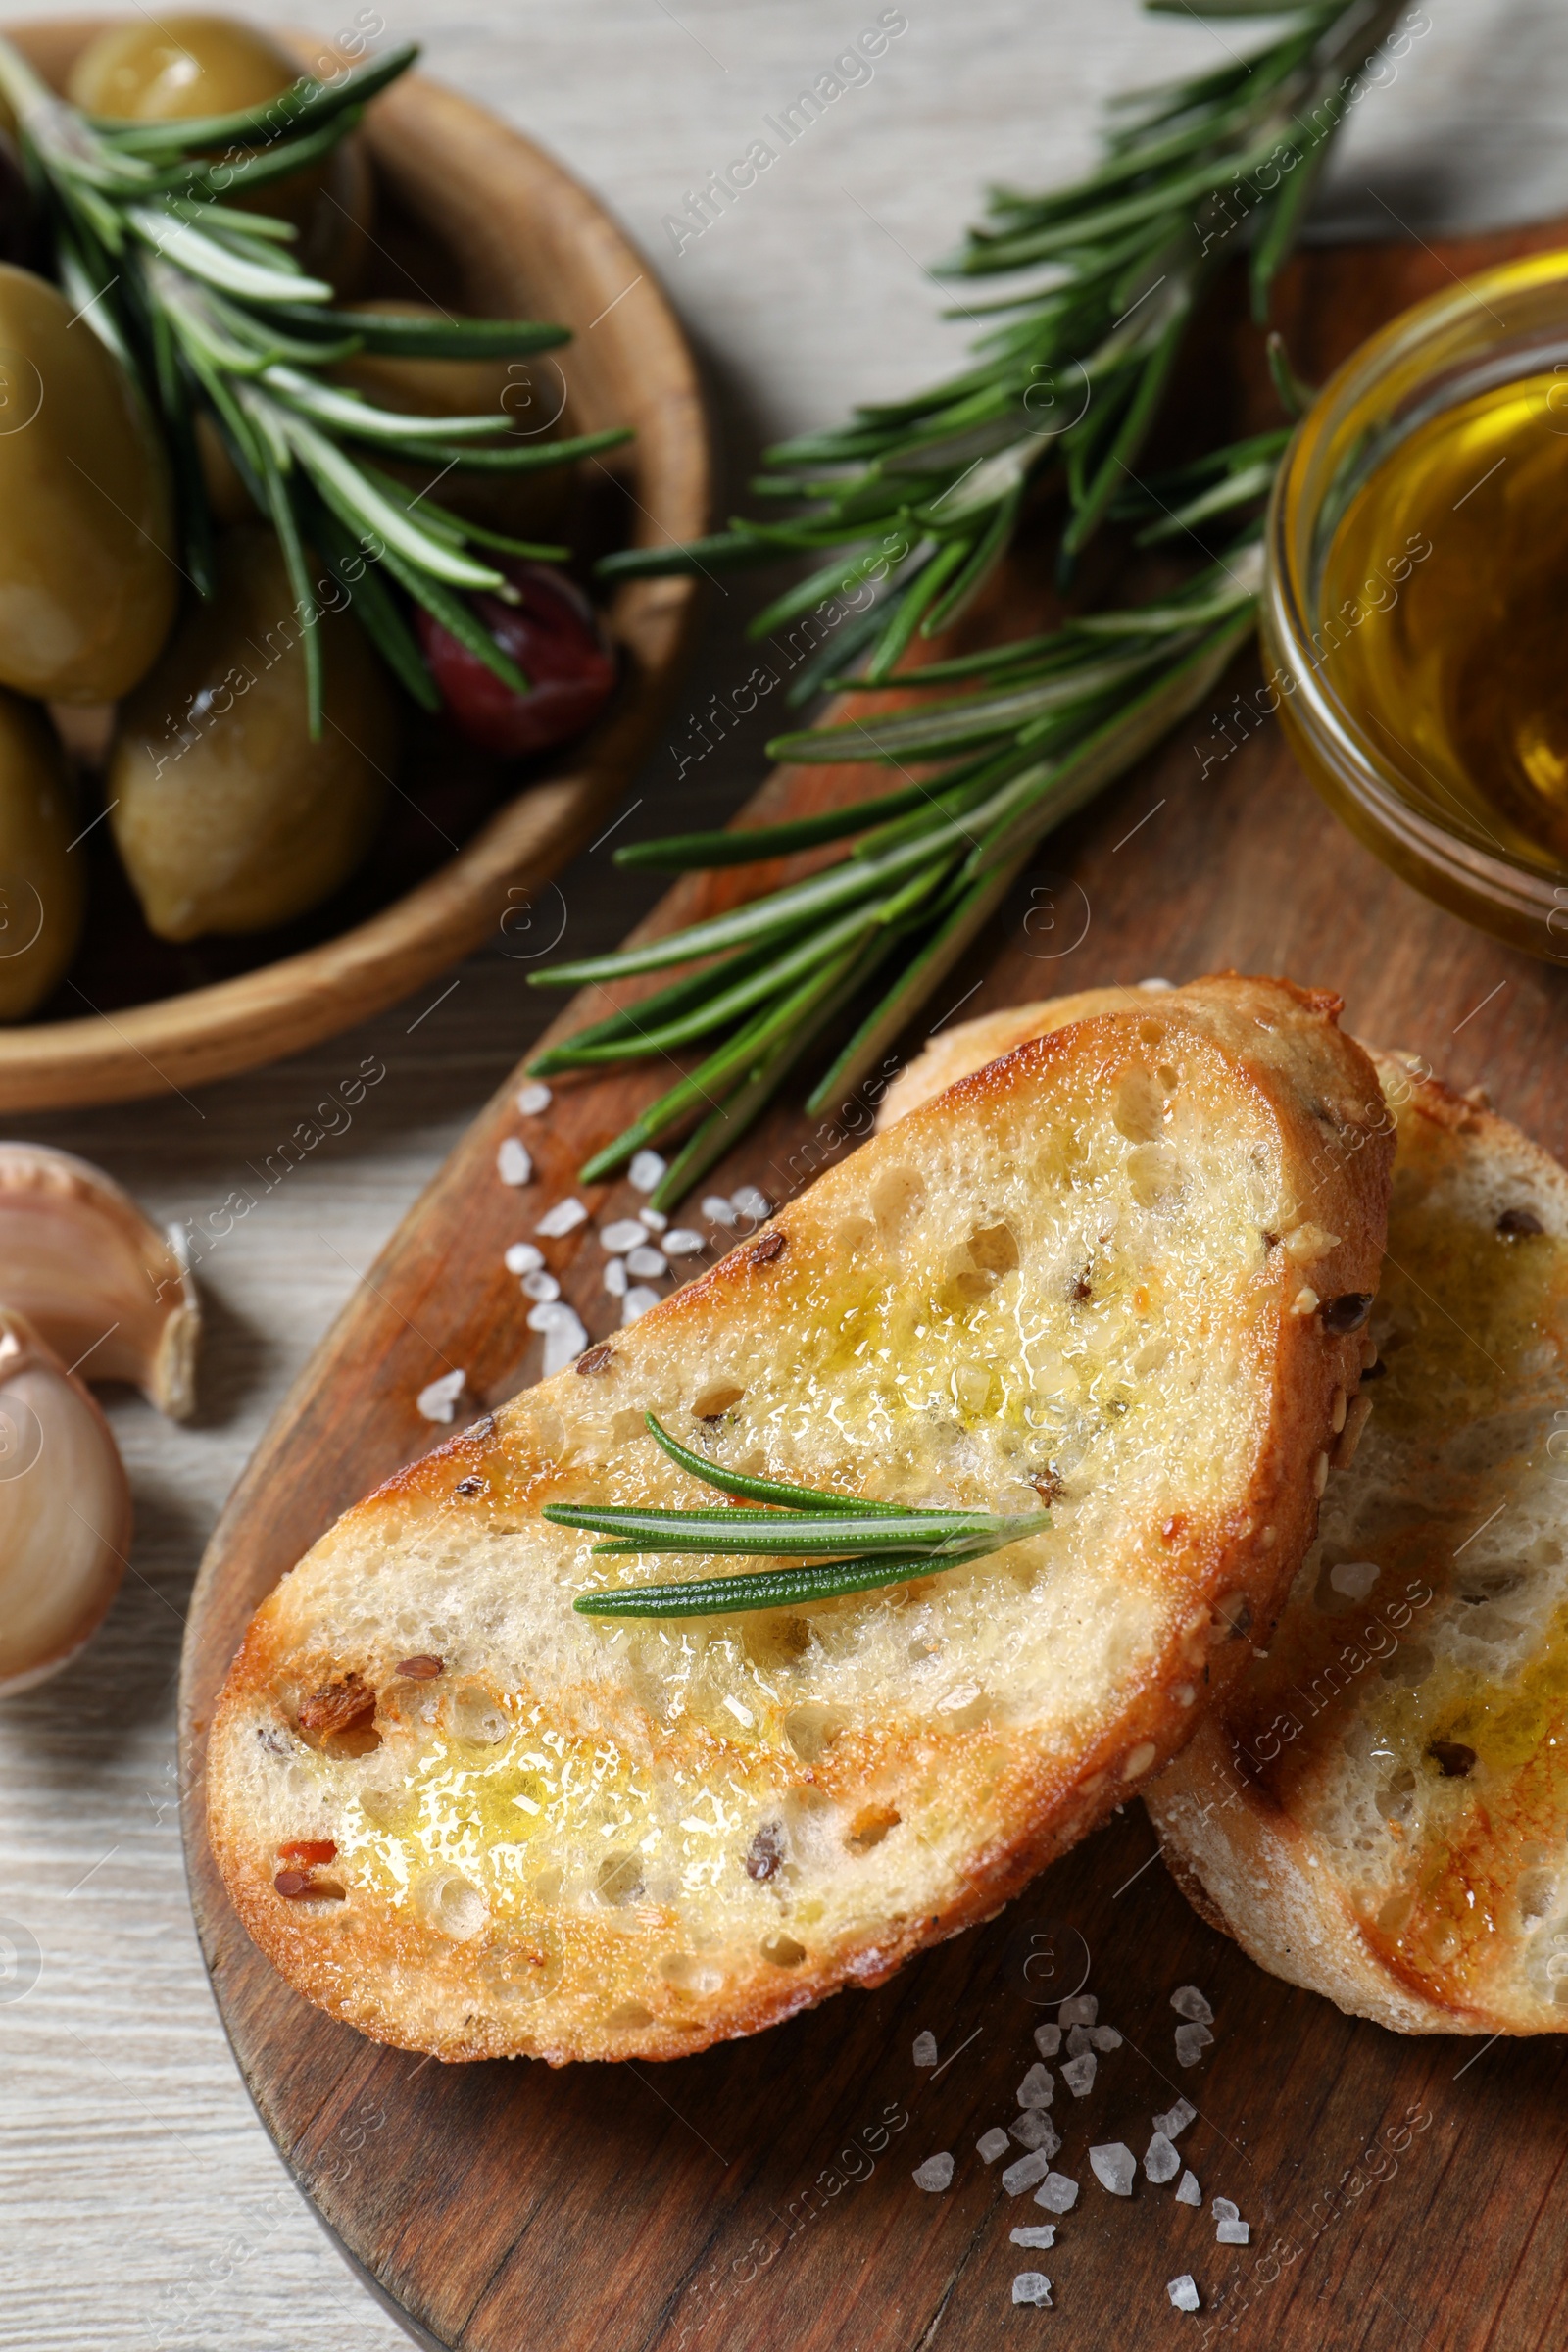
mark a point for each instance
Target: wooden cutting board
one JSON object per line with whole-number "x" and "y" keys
{"x": 1402, "y": 2193}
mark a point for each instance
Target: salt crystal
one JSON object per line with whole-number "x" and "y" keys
{"x": 626, "y": 1233}
{"x": 1037, "y": 2087}
{"x": 540, "y": 1285}
{"x": 564, "y": 1335}
{"x": 1354, "y": 1578}
{"x": 1174, "y": 2122}
{"x": 1032, "y": 2287}
{"x": 654, "y": 1218}
{"x": 925, "y": 2049}
{"x": 1035, "y": 2130}
{"x": 647, "y": 1262}
{"x": 1161, "y": 2163}
{"x": 935, "y": 2174}
{"x": 512, "y": 1163}
{"x": 563, "y": 1218}
{"x": 439, "y": 1400}
{"x": 1106, "y": 2037}
{"x": 1079, "y": 2039}
{"x": 1114, "y": 2167}
{"x": 752, "y": 1204}
{"x": 1156, "y": 983}
{"x": 533, "y": 1098}
{"x": 1048, "y": 2041}
{"x": 1225, "y": 2210}
{"x": 548, "y": 1315}
{"x": 1079, "y": 2075}
{"x": 524, "y": 1258}
{"x": 1232, "y": 2229}
{"x": 646, "y": 1170}
{"x": 682, "y": 1242}
{"x": 718, "y": 1210}
{"x": 1056, "y": 2193}
{"x": 1191, "y": 2043}
{"x": 1025, "y": 2173}
{"x": 1037, "y": 2236}
{"x": 990, "y": 2145}
{"x": 1188, "y": 2191}
{"x": 1187, "y": 2002}
{"x": 636, "y": 1303}
{"x": 1183, "y": 2292}
{"x": 1081, "y": 2010}
{"x": 615, "y": 1281}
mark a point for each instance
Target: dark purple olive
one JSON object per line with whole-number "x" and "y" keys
{"x": 555, "y": 640}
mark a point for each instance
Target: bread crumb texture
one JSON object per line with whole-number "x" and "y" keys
{"x": 1382, "y": 1811}
{"x": 597, "y": 1840}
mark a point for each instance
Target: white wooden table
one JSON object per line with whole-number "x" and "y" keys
{"x": 142, "y": 2204}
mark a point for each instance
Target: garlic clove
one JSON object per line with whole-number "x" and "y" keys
{"x": 64, "y": 1510}
{"x": 103, "y": 1287}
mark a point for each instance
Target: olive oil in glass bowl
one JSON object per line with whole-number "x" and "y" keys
{"x": 1416, "y": 605}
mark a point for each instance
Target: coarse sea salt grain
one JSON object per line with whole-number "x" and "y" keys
{"x": 1188, "y": 2191}
{"x": 540, "y": 1285}
{"x": 1048, "y": 2041}
{"x": 654, "y": 1218}
{"x": 563, "y": 1218}
{"x": 1037, "y": 2236}
{"x": 636, "y": 1303}
{"x": 990, "y": 2145}
{"x": 1232, "y": 2231}
{"x": 1056, "y": 2193}
{"x": 1079, "y": 2074}
{"x": 564, "y": 1335}
{"x": 1025, "y": 2173}
{"x": 1079, "y": 2039}
{"x": 524, "y": 1258}
{"x": 646, "y": 1170}
{"x": 925, "y": 2049}
{"x": 1161, "y": 2162}
{"x": 1156, "y": 983}
{"x": 1175, "y": 2120}
{"x": 1114, "y": 2167}
{"x": 682, "y": 1242}
{"x": 1187, "y": 2002}
{"x": 1037, "y": 2089}
{"x": 719, "y": 1209}
{"x": 1034, "y": 2129}
{"x": 647, "y": 1263}
{"x": 512, "y": 1162}
{"x": 1081, "y": 2010}
{"x": 1106, "y": 2037}
{"x": 1183, "y": 2292}
{"x": 617, "y": 1281}
{"x": 935, "y": 2174}
{"x": 1191, "y": 2043}
{"x": 621, "y": 1235}
{"x": 438, "y": 1400}
{"x": 1354, "y": 1578}
{"x": 533, "y": 1098}
{"x": 1032, "y": 2286}
{"x": 752, "y": 1203}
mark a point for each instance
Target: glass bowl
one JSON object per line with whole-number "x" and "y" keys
{"x": 1504, "y": 325}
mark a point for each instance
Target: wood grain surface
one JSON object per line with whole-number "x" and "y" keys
{"x": 501, "y": 230}
{"x": 761, "y": 2195}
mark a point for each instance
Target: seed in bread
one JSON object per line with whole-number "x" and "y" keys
{"x": 602, "y": 1840}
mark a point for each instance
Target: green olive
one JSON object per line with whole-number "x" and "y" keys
{"x": 175, "y": 68}
{"x": 41, "y": 884}
{"x": 88, "y": 580}
{"x": 528, "y": 506}
{"x": 227, "y": 818}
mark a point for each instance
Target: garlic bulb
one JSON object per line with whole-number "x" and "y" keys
{"x": 64, "y": 1510}
{"x": 106, "y": 1290}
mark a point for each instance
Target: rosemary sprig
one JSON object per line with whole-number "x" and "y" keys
{"x": 924, "y": 495}
{"x": 209, "y": 309}
{"x": 1033, "y": 729}
{"x": 840, "y": 1543}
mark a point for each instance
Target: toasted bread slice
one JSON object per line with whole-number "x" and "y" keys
{"x": 1381, "y": 1810}
{"x": 1104, "y": 1269}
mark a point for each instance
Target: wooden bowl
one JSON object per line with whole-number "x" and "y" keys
{"x": 532, "y": 244}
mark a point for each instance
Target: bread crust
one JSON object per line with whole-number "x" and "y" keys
{"x": 931, "y": 1808}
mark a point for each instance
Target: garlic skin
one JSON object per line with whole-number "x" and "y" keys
{"x": 102, "y": 1286}
{"x": 65, "y": 1510}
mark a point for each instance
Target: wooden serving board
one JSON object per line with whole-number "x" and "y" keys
{"x": 1402, "y": 2193}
